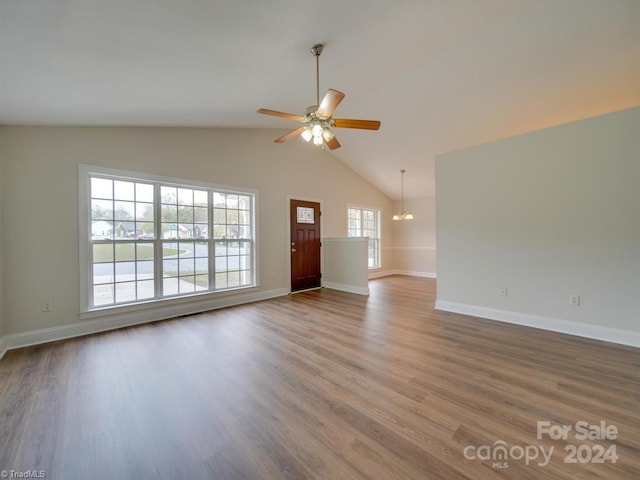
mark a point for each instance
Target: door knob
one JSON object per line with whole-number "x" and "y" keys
{"x": 293, "y": 250}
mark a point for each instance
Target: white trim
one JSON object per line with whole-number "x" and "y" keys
{"x": 132, "y": 318}
{"x": 3, "y": 346}
{"x": 84, "y": 220}
{"x": 409, "y": 248}
{"x": 597, "y": 332}
{"x": 378, "y": 238}
{"x": 346, "y": 288}
{"x": 86, "y": 169}
{"x": 414, "y": 273}
{"x": 366, "y": 207}
{"x": 172, "y": 303}
{"x": 379, "y": 273}
{"x": 411, "y": 273}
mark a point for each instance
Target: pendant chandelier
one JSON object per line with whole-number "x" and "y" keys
{"x": 403, "y": 214}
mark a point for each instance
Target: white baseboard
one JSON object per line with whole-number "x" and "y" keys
{"x": 596, "y": 332}
{"x": 347, "y": 288}
{"x": 127, "y": 319}
{"x": 409, "y": 248}
{"x": 414, "y": 273}
{"x": 411, "y": 273}
{"x": 379, "y": 273}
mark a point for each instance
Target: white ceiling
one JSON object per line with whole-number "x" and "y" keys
{"x": 439, "y": 75}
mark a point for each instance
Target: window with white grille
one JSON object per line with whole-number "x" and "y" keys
{"x": 365, "y": 222}
{"x": 148, "y": 239}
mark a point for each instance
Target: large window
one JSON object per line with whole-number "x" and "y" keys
{"x": 150, "y": 239}
{"x": 365, "y": 222}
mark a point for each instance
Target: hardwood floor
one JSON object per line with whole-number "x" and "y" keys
{"x": 318, "y": 385}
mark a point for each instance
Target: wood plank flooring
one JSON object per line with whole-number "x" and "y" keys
{"x": 319, "y": 385}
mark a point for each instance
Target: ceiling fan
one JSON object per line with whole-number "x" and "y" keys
{"x": 317, "y": 119}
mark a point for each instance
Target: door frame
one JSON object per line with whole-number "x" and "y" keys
{"x": 287, "y": 245}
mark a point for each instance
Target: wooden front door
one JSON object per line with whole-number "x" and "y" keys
{"x": 305, "y": 245}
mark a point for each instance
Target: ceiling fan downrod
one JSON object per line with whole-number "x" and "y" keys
{"x": 317, "y": 51}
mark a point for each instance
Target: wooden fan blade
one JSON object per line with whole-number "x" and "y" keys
{"x": 275, "y": 113}
{"x": 333, "y": 143}
{"x": 329, "y": 103}
{"x": 289, "y": 135}
{"x": 352, "y": 123}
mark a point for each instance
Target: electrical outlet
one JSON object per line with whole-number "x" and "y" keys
{"x": 574, "y": 300}
{"x": 46, "y": 306}
{"x": 503, "y": 292}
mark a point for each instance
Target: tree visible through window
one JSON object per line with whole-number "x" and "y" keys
{"x": 365, "y": 222}
{"x": 150, "y": 240}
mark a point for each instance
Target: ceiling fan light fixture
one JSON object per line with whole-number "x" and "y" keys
{"x": 327, "y": 134}
{"x": 316, "y": 130}
{"x": 306, "y": 134}
{"x": 318, "y": 119}
{"x": 402, "y": 214}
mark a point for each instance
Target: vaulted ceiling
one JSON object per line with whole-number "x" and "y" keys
{"x": 440, "y": 75}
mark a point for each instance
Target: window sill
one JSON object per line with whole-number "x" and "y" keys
{"x": 198, "y": 300}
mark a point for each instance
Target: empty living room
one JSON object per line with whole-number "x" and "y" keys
{"x": 288, "y": 239}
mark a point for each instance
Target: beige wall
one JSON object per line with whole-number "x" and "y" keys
{"x": 547, "y": 215}
{"x": 414, "y": 241}
{"x": 40, "y": 199}
{"x": 2, "y": 203}
{"x": 346, "y": 264}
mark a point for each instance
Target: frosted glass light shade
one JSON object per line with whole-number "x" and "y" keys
{"x": 306, "y": 134}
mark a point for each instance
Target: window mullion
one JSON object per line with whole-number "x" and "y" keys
{"x": 212, "y": 243}
{"x": 92, "y": 274}
{"x": 157, "y": 242}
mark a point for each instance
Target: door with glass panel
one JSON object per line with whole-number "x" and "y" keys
{"x": 305, "y": 245}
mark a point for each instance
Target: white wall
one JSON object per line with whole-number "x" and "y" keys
{"x": 40, "y": 200}
{"x": 414, "y": 241}
{"x": 546, "y": 214}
